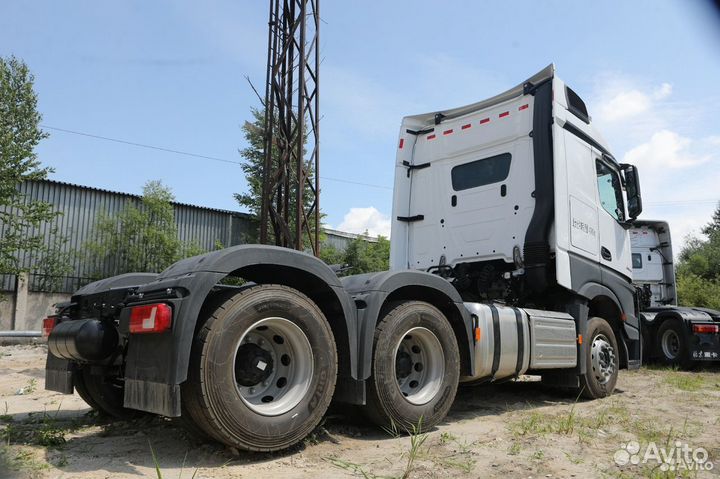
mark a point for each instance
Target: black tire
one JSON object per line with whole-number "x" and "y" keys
{"x": 603, "y": 360}
{"x": 672, "y": 345}
{"x": 103, "y": 394}
{"x": 388, "y": 403}
{"x": 216, "y": 392}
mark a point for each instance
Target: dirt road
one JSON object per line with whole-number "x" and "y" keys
{"x": 518, "y": 429}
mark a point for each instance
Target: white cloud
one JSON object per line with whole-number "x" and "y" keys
{"x": 662, "y": 92}
{"x": 620, "y": 100}
{"x": 673, "y": 143}
{"x": 624, "y": 104}
{"x": 665, "y": 149}
{"x": 370, "y": 220}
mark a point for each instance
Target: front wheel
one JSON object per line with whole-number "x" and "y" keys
{"x": 415, "y": 368}
{"x": 262, "y": 369}
{"x": 602, "y": 360}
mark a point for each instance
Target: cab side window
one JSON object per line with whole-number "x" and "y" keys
{"x": 610, "y": 190}
{"x": 481, "y": 172}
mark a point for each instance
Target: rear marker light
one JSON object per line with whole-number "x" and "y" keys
{"x": 150, "y": 318}
{"x": 478, "y": 335}
{"x": 48, "y": 325}
{"x": 504, "y": 114}
{"x": 465, "y": 127}
{"x": 402, "y": 142}
{"x": 523, "y": 107}
{"x": 579, "y": 338}
{"x": 705, "y": 328}
{"x": 485, "y": 120}
{"x": 431, "y": 137}
{"x": 447, "y": 132}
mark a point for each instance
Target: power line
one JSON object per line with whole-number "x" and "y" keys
{"x": 194, "y": 155}
{"x": 140, "y": 145}
{"x": 339, "y": 180}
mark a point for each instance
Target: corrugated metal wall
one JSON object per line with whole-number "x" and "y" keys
{"x": 81, "y": 206}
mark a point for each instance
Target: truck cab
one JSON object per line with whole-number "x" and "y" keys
{"x": 518, "y": 199}
{"x": 672, "y": 334}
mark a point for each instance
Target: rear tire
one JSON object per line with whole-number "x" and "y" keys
{"x": 602, "y": 360}
{"x": 415, "y": 370}
{"x": 262, "y": 369}
{"x": 672, "y": 345}
{"x": 102, "y": 394}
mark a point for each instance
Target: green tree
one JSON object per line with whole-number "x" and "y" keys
{"x": 254, "y": 157}
{"x": 140, "y": 239}
{"x": 698, "y": 270}
{"x": 360, "y": 256}
{"x": 20, "y": 218}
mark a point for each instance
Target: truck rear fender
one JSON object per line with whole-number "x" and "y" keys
{"x": 164, "y": 363}
{"x": 375, "y": 292}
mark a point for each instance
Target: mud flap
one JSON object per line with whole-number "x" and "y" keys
{"x": 58, "y": 375}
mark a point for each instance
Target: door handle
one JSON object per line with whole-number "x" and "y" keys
{"x": 606, "y": 254}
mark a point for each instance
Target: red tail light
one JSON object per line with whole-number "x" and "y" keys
{"x": 150, "y": 318}
{"x": 706, "y": 328}
{"x": 48, "y": 325}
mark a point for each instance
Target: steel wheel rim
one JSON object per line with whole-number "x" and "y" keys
{"x": 273, "y": 366}
{"x": 602, "y": 359}
{"x": 419, "y": 365}
{"x": 670, "y": 344}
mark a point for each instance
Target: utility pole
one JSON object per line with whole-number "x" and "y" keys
{"x": 292, "y": 127}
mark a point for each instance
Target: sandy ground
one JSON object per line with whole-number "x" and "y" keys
{"x": 518, "y": 429}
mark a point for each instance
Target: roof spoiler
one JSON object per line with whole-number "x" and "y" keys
{"x": 524, "y": 88}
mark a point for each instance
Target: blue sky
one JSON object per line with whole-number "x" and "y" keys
{"x": 171, "y": 74}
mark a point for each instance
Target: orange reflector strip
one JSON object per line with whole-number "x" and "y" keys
{"x": 465, "y": 127}
{"x": 485, "y": 120}
{"x": 402, "y": 142}
{"x": 478, "y": 334}
{"x": 447, "y": 132}
{"x": 579, "y": 338}
{"x": 431, "y": 137}
{"x": 523, "y": 107}
{"x": 504, "y": 114}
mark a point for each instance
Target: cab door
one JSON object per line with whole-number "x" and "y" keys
{"x": 615, "y": 250}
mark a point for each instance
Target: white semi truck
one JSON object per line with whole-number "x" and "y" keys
{"x": 510, "y": 255}
{"x": 673, "y": 335}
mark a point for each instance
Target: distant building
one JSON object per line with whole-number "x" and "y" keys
{"x": 80, "y": 207}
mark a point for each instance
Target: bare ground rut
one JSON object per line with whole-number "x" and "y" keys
{"x": 517, "y": 429}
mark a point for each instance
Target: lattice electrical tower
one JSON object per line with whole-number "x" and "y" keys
{"x": 291, "y": 188}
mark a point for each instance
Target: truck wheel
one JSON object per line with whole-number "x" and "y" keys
{"x": 102, "y": 394}
{"x": 602, "y": 360}
{"x": 672, "y": 345}
{"x": 415, "y": 368}
{"x": 262, "y": 369}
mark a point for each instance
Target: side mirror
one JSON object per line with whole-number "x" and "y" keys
{"x": 632, "y": 187}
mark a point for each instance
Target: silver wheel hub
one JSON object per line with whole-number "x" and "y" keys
{"x": 273, "y": 366}
{"x": 602, "y": 359}
{"x": 419, "y": 365}
{"x": 670, "y": 343}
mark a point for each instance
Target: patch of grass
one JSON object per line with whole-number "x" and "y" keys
{"x": 538, "y": 455}
{"x": 353, "y": 468}
{"x": 447, "y": 437}
{"x": 685, "y": 381}
{"x": 514, "y": 449}
{"x": 417, "y": 439}
{"x": 18, "y": 459}
{"x": 158, "y": 469}
{"x": 38, "y": 429}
